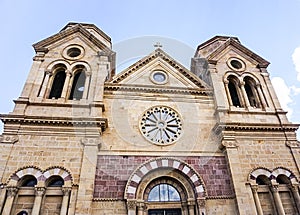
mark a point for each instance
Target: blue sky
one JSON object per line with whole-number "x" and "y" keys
{"x": 270, "y": 28}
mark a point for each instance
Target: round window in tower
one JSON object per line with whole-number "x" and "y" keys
{"x": 73, "y": 52}
{"x": 161, "y": 125}
{"x": 236, "y": 64}
{"x": 159, "y": 77}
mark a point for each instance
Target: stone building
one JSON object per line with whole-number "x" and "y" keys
{"x": 155, "y": 139}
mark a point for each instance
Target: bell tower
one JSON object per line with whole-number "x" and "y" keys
{"x": 60, "y": 108}
{"x": 250, "y": 121}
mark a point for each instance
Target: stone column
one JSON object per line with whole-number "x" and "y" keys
{"x": 294, "y": 188}
{"x": 141, "y": 208}
{"x": 256, "y": 200}
{"x": 201, "y": 206}
{"x": 48, "y": 74}
{"x": 66, "y": 84}
{"x": 278, "y": 203}
{"x": 261, "y": 97}
{"x": 87, "y": 175}
{"x": 39, "y": 193}
{"x": 131, "y": 207}
{"x": 228, "y": 93}
{"x": 244, "y": 202}
{"x": 11, "y": 193}
{"x": 191, "y": 206}
{"x": 86, "y": 85}
{"x": 244, "y": 93}
{"x": 65, "y": 202}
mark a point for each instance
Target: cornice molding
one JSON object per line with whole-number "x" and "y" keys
{"x": 156, "y": 89}
{"x": 254, "y": 127}
{"x": 57, "y": 121}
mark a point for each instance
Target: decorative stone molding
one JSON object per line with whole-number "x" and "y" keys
{"x": 293, "y": 144}
{"x": 40, "y": 175}
{"x": 160, "y": 163}
{"x": 9, "y": 139}
{"x": 201, "y": 202}
{"x": 228, "y": 142}
{"x": 91, "y": 142}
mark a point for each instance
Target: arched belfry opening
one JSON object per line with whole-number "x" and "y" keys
{"x": 233, "y": 86}
{"x": 58, "y": 83}
{"x": 78, "y": 85}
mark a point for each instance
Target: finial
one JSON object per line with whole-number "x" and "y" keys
{"x": 157, "y": 45}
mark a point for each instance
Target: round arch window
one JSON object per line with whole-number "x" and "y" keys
{"x": 163, "y": 193}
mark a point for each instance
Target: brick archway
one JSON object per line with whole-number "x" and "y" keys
{"x": 163, "y": 163}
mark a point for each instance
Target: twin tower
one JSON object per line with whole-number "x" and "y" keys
{"x": 156, "y": 138}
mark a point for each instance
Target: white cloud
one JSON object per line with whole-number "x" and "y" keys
{"x": 284, "y": 94}
{"x": 296, "y": 61}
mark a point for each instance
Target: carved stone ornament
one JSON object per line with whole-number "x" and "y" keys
{"x": 293, "y": 144}
{"x": 39, "y": 191}
{"x": 131, "y": 204}
{"x": 201, "y": 203}
{"x": 228, "y": 143}
{"x": 12, "y": 191}
{"x": 9, "y": 139}
{"x": 91, "y": 142}
{"x": 66, "y": 190}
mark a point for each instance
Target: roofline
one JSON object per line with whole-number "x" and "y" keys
{"x": 99, "y": 31}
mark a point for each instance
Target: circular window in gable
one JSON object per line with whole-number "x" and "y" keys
{"x": 159, "y": 77}
{"x": 236, "y": 64}
{"x": 161, "y": 125}
{"x": 73, "y": 52}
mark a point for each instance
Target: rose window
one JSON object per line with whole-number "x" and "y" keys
{"x": 161, "y": 125}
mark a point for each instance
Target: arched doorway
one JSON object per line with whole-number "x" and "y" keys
{"x": 165, "y": 186}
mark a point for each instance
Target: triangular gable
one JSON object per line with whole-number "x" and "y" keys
{"x": 70, "y": 29}
{"x": 159, "y": 53}
{"x": 262, "y": 63}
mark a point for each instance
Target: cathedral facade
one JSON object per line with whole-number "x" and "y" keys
{"x": 154, "y": 139}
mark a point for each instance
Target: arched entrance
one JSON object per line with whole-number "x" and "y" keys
{"x": 165, "y": 186}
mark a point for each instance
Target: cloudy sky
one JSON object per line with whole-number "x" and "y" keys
{"x": 270, "y": 28}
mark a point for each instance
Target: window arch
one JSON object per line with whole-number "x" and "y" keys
{"x": 55, "y": 181}
{"x": 58, "y": 82}
{"x": 78, "y": 84}
{"x": 233, "y": 87}
{"x": 252, "y": 96}
{"x": 163, "y": 193}
{"x": 28, "y": 181}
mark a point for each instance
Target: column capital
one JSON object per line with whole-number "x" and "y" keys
{"x": 68, "y": 73}
{"x": 254, "y": 188}
{"x": 48, "y": 72}
{"x": 66, "y": 190}
{"x": 40, "y": 191}
{"x": 274, "y": 188}
{"x": 12, "y": 191}
{"x": 131, "y": 204}
{"x": 201, "y": 202}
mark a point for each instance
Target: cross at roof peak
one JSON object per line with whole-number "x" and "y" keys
{"x": 157, "y": 45}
